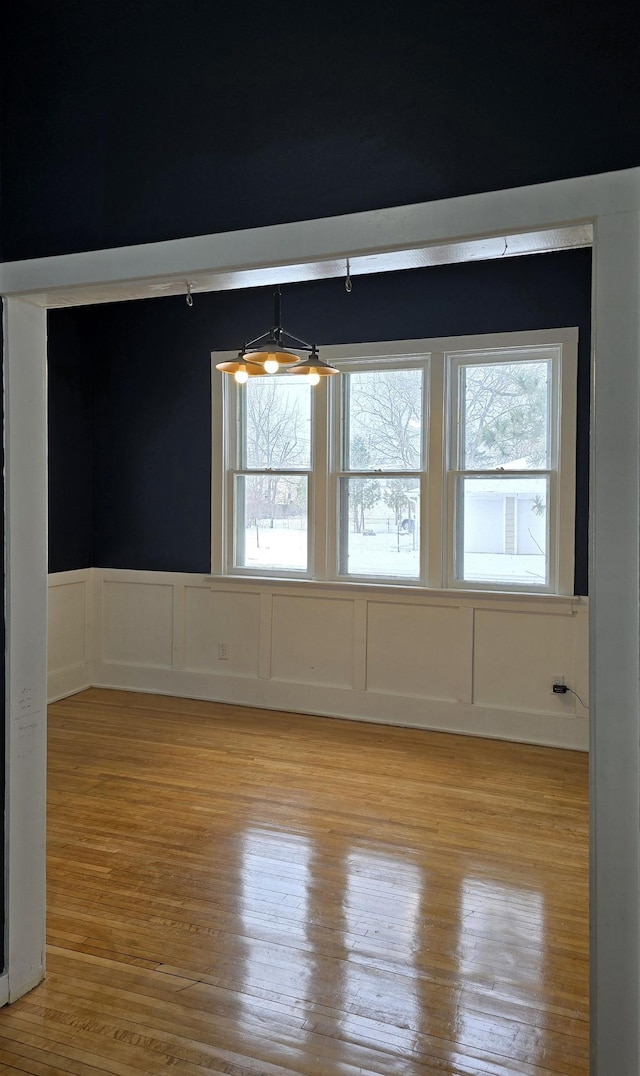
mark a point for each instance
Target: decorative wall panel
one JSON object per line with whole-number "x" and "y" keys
{"x": 137, "y": 623}
{"x": 221, "y": 631}
{"x": 312, "y": 640}
{"x": 472, "y": 663}
{"x": 413, "y": 650}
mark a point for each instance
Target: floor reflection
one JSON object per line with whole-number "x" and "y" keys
{"x": 348, "y": 939}
{"x": 382, "y": 903}
{"x": 502, "y": 927}
{"x": 336, "y": 935}
{"x": 275, "y": 884}
{"x": 501, "y": 966}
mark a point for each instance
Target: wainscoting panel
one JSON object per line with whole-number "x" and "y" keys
{"x": 69, "y": 632}
{"x": 413, "y": 650}
{"x": 517, "y": 656}
{"x": 221, "y": 631}
{"x": 312, "y": 640}
{"x": 137, "y": 623}
{"x": 464, "y": 662}
{"x": 67, "y": 635}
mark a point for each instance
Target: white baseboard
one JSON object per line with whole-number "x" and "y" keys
{"x": 10, "y": 991}
{"x": 64, "y": 682}
{"x": 24, "y": 985}
{"x": 438, "y": 715}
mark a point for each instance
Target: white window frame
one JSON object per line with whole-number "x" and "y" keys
{"x": 440, "y": 358}
{"x": 560, "y": 471}
{"x": 235, "y": 467}
{"x": 394, "y": 356}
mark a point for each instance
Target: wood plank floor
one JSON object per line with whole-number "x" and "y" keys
{"x": 261, "y": 894}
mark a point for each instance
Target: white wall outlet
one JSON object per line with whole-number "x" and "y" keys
{"x": 558, "y": 686}
{"x": 223, "y": 651}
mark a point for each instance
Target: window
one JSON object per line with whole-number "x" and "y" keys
{"x": 503, "y": 455}
{"x": 441, "y": 463}
{"x": 271, "y": 486}
{"x": 381, "y": 459}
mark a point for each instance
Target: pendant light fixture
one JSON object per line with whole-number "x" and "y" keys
{"x": 275, "y": 349}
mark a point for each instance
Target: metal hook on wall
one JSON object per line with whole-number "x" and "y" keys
{"x": 348, "y": 284}
{"x": 189, "y": 296}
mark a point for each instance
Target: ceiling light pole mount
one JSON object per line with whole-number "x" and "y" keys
{"x": 274, "y": 349}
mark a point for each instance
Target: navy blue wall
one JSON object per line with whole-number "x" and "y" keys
{"x": 128, "y": 122}
{"x": 70, "y": 434}
{"x": 147, "y": 425}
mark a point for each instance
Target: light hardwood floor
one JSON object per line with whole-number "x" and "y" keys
{"x": 246, "y": 892}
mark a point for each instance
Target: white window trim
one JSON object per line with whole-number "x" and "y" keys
{"x": 438, "y": 355}
{"x": 393, "y": 355}
{"x": 561, "y": 470}
{"x": 231, "y": 432}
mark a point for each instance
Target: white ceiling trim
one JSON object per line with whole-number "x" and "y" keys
{"x": 492, "y": 225}
{"x": 494, "y": 247}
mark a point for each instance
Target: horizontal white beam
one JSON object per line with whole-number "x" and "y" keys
{"x": 300, "y": 250}
{"x": 489, "y": 247}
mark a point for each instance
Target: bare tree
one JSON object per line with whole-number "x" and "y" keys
{"x": 385, "y": 409}
{"x": 276, "y": 432}
{"x": 364, "y": 493}
{"x": 504, "y": 414}
{"x": 275, "y": 426}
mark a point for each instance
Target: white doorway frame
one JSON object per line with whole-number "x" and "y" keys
{"x": 610, "y": 203}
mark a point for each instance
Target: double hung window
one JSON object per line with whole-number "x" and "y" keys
{"x": 504, "y": 429}
{"x": 381, "y": 471}
{"x": 271, "y": 488}
{"x": 433, "y": 463}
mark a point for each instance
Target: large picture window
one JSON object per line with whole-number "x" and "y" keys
{"x": 433, "y": 463}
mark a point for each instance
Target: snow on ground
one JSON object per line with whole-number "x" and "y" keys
{"x": 385, "y": 554}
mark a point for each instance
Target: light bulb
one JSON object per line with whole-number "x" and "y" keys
{"x": 271, "y": 366}
{"x": 313, "y": 379}
{"x": 241, "y": 376}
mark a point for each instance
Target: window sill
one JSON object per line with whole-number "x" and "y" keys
{"x": 452, "y": 596}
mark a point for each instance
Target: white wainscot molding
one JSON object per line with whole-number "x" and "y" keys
{"x": 71, "y": 634}
{"x": 451, "y": 661}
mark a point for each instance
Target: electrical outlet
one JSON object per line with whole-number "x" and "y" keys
{"x": 558, "y": 686}
{"x": 223, "y": 651}
{"x": 558, "y": 680}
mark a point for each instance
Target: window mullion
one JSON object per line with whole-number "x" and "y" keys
{"x": 565, "y": 404}
{"x": 319, "y": 481}
{"x": 434, "y": 507}
{"x": 233, "y": 403}
{"x": 220, "y": 493}
{"x": 337, "y": 450}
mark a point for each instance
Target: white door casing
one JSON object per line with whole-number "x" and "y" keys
{"x": 304, "y": 250}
